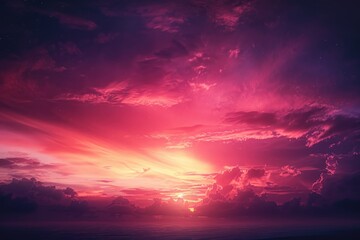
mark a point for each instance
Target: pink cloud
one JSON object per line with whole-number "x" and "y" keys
{"x": 163, "y": 18}
{"x": 122, "y": 93}
{"x": 289, "y": 171}
{"x": 228, "y": 16}
{"x": 232, "y": 179}
{"x": 330, "y": 169}
{"x": 20, "y": 79}
{"x": 227, "y": 176}
{"x": 234, "y": 53}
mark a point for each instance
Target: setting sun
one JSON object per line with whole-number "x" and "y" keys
{"x": 180, "y": 195}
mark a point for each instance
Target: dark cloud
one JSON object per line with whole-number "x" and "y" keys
{"x": 337, "y": 187}
{"x": 16, "y": 205}
{"x": 106, "y": 37}
{"x": 303, "y": 119}
{"x": 252, "y": 118}
{"x": 295, "y": 120}
{"x": 23, "y": 163}
{"x": 36, "y": 191}
{"x": 247, "y": 203}
{"x": 176, "y": 49}
{"x": 255, "y": 173}
{"x": 69, "y": 48}
{"x": 29, "y": 196}
{"x": 335, "y": 191}
{"x": 121, "y": 206}
{"x": 342, "y": 125}
{"x": 315, "y": 123}
{"x": 70, "y": 192}
{"x": 69, "y": 20}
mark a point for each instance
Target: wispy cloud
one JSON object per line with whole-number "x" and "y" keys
{"x": 121, "y": 93}
{"x": 163, "y": 17}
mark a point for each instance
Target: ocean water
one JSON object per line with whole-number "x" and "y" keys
{"x": 182, "y": 228}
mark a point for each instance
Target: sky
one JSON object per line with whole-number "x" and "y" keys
{"x": 187, "y": 100}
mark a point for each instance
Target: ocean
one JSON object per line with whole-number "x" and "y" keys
{"x": 182, "y": 228}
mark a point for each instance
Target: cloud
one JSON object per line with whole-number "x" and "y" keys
{"x": 69, "y": 48}
{"x": 122, "y": 93}
{"x": 16, "y": 205}
{"x": 106, "y": 37}
{"x": 338, "y": 125}
{"x": 145, "y": 193}
{"x": 27, "y": 196}
{"x": 245, "y": 203}
{"x": 289, "y": 171}
{"x": 23, "y": 163}
{"x": 70, "y": 21}
{"x": 292, "y": 121}
{"x": 33, "y": 189}
{"x": 120, "y": 206}
{"x": 227, "y": 176}
{"x": 232, "y": 179}
{"x": 166, "y": 18}
{"x": 337, "y": 187}
{"x": 331, "y": 164}
{"x": 314, "y": 123}
{"x": 23, "y": 77}
{"x": 234, "y": 53}
{"x": 330, "y": 169}
{"x": 177, "y": 49}
{"x": 120, "y": 201}
{"x": 255, "y": 173}
{"x": 187, "y": 129}
{"x": 252, "y": 118}
{"x": 227, "y": 14}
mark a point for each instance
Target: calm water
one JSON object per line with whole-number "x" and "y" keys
{"x": 182, "y": 228}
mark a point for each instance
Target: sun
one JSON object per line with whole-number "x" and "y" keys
{"x": 180, "y": 195}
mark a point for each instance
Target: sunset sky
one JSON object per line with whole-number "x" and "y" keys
{"x": 181, "y": 99}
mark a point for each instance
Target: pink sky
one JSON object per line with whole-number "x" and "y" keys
{"x": 164, "y": 100}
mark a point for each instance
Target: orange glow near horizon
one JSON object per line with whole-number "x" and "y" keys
{"x": 111, "y": 166}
